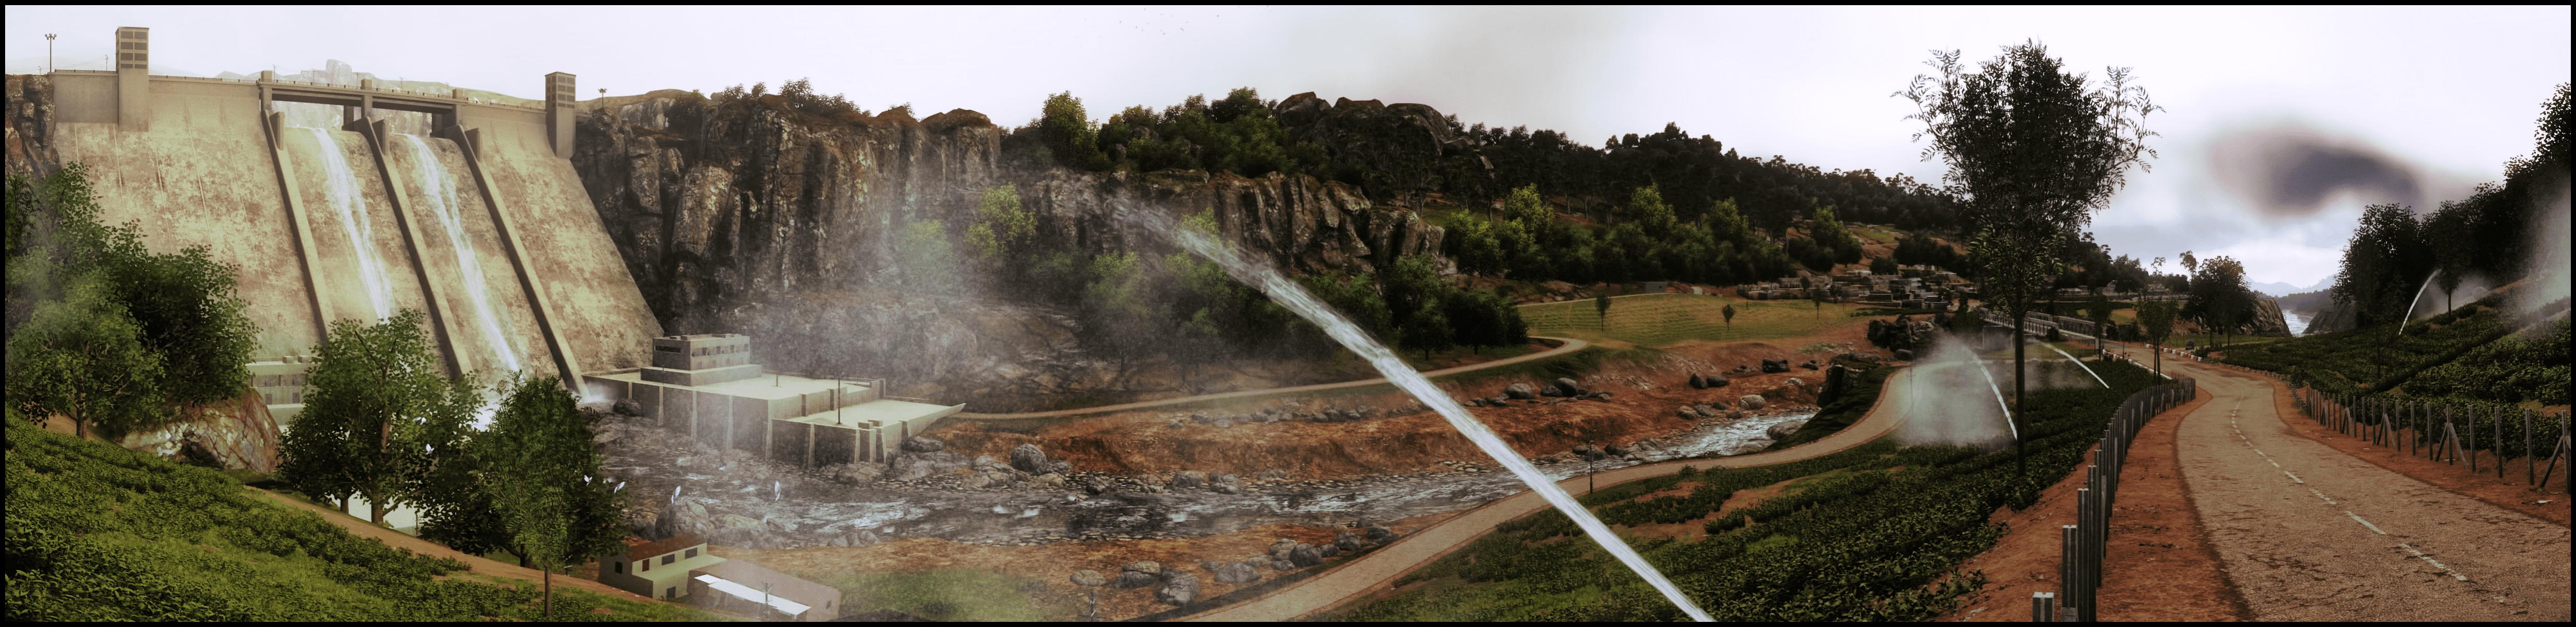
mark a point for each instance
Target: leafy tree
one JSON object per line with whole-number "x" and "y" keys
{"x": 83, "y": 358}
{"x": 1882, "y": 265}
{"x": 1002, "y": 232}
{"x": 540, "y": 469}
{"x": 2033, "y": 155}
{"x": 2219, "y": 292}
{"x": 2099, "y": 311}
{"x": 192, "y": 315}
{"x": 2446, "y": 235}
{"x": 2156, "y": 318}
{"x": 2383, "y": 264}
{"x": 1069, "y": 134}
{"x": 1601, "y": 305}
{"x": 375, "y": 388}
{"x": 925, "y": 258}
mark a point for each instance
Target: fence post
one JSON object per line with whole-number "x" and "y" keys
{"x": 2043, "y": 607}
{"x": 2067, "y": 568}
{"x": 2531, "y": 475}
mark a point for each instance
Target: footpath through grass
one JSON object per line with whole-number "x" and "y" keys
{"x": 100, "y": 533}
{"x": 1659, "y": 320}
{"x": 1858, "y": 544}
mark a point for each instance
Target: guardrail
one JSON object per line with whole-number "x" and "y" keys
{"x": 2083, "y": 544}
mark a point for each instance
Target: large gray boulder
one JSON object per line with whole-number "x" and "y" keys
{"x": 1715, "y": 381}
{"x": 918, "y": 444}
{"x": 1380, "y": 535}
{"x": 856, "y": 473}
{"x": 1782, "y": 430}
{"x": 1520, "y": 391}
{"x": 1237, "y": 572}
{"x": 1087, "y": 577}
{"x": 1347, "y": 541}
{"x": 1705, "y": 411}
{"x": 1568, "y": 387}
{"x": 1027, "y": 458}
{"x": 1750, "y": 401}
{"x": 1179, "y": 588}
{"x": 1128, "y": 580}
{"x": 1305, "y": 555}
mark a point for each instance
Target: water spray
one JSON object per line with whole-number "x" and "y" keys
{"x": 2079, "y": 364}
{"x": 1999, "y": 397}
{"x": 1295, "y": 298}
{"x": 2419, "y": 299}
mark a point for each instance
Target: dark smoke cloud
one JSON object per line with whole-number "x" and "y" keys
{"x": 2289, "y": 171}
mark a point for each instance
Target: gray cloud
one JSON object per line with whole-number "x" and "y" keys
{"x": 2288, "y": 170}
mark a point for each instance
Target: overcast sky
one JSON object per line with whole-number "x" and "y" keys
{"x": 2357, "y": 105}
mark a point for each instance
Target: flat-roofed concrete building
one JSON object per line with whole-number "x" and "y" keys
{"x": 747, "y": 589}
{"x": 281, "y": 382}
{"x": 703, "y": 385}
{"x": 657, "y": 569}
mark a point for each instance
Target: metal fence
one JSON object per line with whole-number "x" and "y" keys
{"x": 2083, "y": 544}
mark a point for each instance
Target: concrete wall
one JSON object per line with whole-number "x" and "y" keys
{"x": 201, "y": 176}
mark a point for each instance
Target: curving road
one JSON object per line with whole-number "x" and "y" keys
{"x": 1567, "y": 346}
{"x": 1377, "y": 570}
{"x": 2307, "y": 533}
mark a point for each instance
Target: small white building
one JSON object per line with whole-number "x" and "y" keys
{"x": 657, "y": 569}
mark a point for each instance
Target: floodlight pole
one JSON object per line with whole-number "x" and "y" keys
{"x": 49, "y": 53}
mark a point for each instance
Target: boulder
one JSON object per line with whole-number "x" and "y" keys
{"x": 1131, "y": 579}
{"x": 1060, "y": 467}
{"x": 1775, "y": 365}
{"x": 1380, "y": 535}
{"x": 1520, "y": 391}
{"x": 1347, "y": 541}
{"x": 1687, "y": 413}
{"x": 1750, "y": 401}
{"x": 1715, "y": 381}
{"x": 1782, "y": 430}
{"x": 1329, "y": 550}
{"x": 1705, "y": 411}
{"x": 1027, "y": 458}
{"x": 1698, "y": 383}
{"x": 1237, "y": 572}
{"x": 1797, "y": 382}
{"x": 1568, "y": 387}
{"x": 1189, "y": 479}
{"x": 1280, "y": 564}
{"x": 918, "y": 444}
{"x": 1305, "y": 555}
{"x": 857, "y": 473}
{"x": 1088, "y": 577}
{"x": 1179, "y": 588}
{"x": 627, "y": 407}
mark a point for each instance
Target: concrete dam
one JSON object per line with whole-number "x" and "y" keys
{"x": 480, "y": 221}
{"x": 354, "y": 202}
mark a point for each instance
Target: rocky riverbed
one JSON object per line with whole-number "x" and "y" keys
{"x": 737, "y": 499}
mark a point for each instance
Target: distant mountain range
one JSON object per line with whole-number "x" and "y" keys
{"x": 2277, "y": 290}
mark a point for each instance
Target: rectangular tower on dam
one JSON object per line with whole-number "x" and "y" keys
{"x": 478, "y": 218}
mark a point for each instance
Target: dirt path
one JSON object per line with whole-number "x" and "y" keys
{"x": 1376, "y": 571}
{"x": 2308, "y": 533}
{"x": 1570, "y": 345}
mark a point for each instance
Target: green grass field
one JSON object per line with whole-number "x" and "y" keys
{"x": 1659, "y": 320}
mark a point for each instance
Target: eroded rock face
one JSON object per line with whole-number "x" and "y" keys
{"x": 775, "y": 223}
{"x": 238, "y": 433}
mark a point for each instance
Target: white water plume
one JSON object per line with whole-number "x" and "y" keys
{"x": 1289, "y": 294}
{"x": 440, "y": 195}
{"x": 2097, "y": 377}
{"x": 345, "y": 199}
{"x": 1935, "y": 411}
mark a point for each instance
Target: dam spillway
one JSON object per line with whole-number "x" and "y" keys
{"x": 483, "y": 223}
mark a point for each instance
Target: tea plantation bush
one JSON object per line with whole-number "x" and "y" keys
{"x": 99, "y": 533}
{"x": 1865, "y": 545}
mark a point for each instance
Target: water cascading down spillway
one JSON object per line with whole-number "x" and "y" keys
{"x": 1261, "y": 276}
{"x": 350, "y": 205}
{"x": 441, "y": 199}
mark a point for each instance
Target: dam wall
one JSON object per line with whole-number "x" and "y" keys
{"x": 484, "y": 225}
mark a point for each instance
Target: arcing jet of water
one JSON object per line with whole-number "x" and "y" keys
{"x": 2419, "y": 299}
{"x": 1980, "y": 365}
{"x": 2080, "y": 364}
{"x": 1287, "y": 293}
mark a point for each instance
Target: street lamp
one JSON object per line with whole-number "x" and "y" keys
{"x": 49, "y": 53}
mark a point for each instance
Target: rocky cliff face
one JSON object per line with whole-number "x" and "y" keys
{"x": 31, "y": 113}
{"x": 759, "y": 219}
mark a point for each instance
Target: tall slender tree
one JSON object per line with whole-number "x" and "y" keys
{"x": 375, "y": 387}
{"x": 2032, "y": 155}
{"x": 542, "y": 473}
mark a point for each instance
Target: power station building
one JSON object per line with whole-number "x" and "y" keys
{"x": 707, "y": 387}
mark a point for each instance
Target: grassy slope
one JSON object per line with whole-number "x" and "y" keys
{"x": 1658, "y": 320}
{"x": 96, "y": 532}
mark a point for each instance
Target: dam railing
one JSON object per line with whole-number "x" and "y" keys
{"x": 2083, "y": 544}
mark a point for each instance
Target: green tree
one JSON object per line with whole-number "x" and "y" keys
{"x": 2032, "y": 155}
{"x": 1003, "y": 227}
{"x": 1069, "y": 134}
{"x": 2219, "y": 291}
{"x": 2156, "y": 318}
{"x": 540, "y": 469}
{"x": 1601, "y": 305}
{"x": 2383, "y": 264}
{"x": 192, "y": 315}
{"x": 83, "y": 358}
{"x": 375, "y": 388}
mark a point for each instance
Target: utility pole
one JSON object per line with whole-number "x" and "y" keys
{"x": 49, "y": 53}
